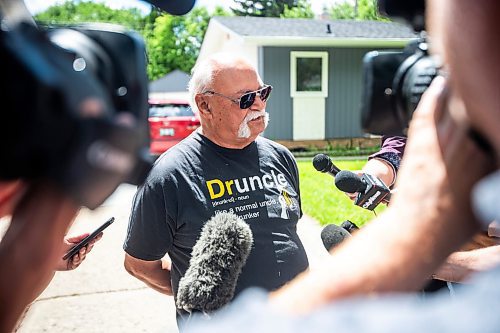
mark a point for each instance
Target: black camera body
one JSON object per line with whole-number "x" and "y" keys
{"x": 74, "y": 107}
{"x": 394, "y": 81}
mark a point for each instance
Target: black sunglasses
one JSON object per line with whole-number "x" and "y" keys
{"x": 246, "y": 100}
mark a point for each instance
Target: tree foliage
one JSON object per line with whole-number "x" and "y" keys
{"x": 265, "y": 8}
{"x": 175, "y": 42}
{"x": 360, "y": 10}
{"x": 301, "y": 10}
{"x": 87, "y": 11}
{"x": 172, "y": 42}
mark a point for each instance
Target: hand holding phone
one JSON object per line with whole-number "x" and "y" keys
{"x": 74, "y": 250}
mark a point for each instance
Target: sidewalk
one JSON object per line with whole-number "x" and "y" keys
{"x": 100, "y": 296}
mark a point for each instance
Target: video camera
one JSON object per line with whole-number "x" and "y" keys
{"x": 74, "y": 103}
{"x": 394, "y": 81}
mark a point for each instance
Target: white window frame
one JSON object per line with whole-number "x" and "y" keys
{"x": 324, "y": 73}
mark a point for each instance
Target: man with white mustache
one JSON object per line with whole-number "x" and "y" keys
{"x": 244, "y": 130}
{"x": 224, "y": 166}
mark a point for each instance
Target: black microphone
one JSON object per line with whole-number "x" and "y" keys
{"x": 216, "y": 263}
{"x": 332, "y": 235}
{"x": 349, "y": 226}
{"x": 371, "y": 190}
{"x": 324, "y": 164}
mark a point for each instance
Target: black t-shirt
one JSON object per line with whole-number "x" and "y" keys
{"x": 197, "y": 179}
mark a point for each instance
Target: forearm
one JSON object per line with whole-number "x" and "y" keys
{"x": 386, "y": 162}
{"x": 154, "y": 274}
{"x": 479, "y": 241}
{"x": 381, "y": 169}
{"x": 29, "y": 250}
{"x": 19, "y": 285}
{"x": 460, "y": 265}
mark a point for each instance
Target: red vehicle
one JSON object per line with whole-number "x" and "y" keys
{"x": 170, "y": 121}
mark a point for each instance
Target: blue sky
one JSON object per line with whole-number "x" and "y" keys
{"x": 36, "y": 6}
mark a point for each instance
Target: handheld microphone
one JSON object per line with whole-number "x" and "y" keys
{"x": 349, "y": 226}
{"x": 332, "y": 235}
{"x": 216, "y": 263}
{"x": 371, "y": 190}
{"x": 323, "y": 163}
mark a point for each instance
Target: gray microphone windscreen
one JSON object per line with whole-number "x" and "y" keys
{"x": 216, "y": 263}
{"x": 332, "y": 235}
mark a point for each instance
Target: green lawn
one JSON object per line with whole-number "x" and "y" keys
{"x": 323, "y": 201}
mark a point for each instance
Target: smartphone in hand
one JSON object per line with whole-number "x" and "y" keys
{"x": 74, "y": 250}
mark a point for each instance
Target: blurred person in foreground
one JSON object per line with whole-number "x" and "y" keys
{"x": 74, "y": 126}
{"x": 224, "y": 166}
{"x": 482, "y": 252}
{"x": 447, "y": 188}
{"x": 32, "y": 248}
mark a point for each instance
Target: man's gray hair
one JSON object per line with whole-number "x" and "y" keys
{"x": 201, "y": 77}
{"x": 203, "y": 73}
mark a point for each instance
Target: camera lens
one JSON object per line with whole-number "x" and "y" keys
{"x": 414, "y": 83}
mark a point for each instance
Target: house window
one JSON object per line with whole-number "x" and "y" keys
{"x": 309, "y": 74}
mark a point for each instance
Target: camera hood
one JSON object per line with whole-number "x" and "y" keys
{"x": 174, "y": 7}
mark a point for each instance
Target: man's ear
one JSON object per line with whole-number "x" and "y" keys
{"x": 202, "y": 104}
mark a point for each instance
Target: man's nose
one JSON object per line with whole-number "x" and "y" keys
{"x": 258, "y": 104}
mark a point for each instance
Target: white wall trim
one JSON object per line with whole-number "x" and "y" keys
{"x": 327, "y": 42}
{"x": 324, "y": 73}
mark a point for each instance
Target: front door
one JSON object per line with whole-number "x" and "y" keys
{"x": 309, "y": 90}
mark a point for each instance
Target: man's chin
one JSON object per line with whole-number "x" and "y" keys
{"x": 257, "y": 128}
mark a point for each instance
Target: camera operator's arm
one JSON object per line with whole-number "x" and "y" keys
{"x": 428, "y": 218}
{"x": 31, "y": 247}
{"x": 155, "y": 274}
{"x": 460, "y": 265}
